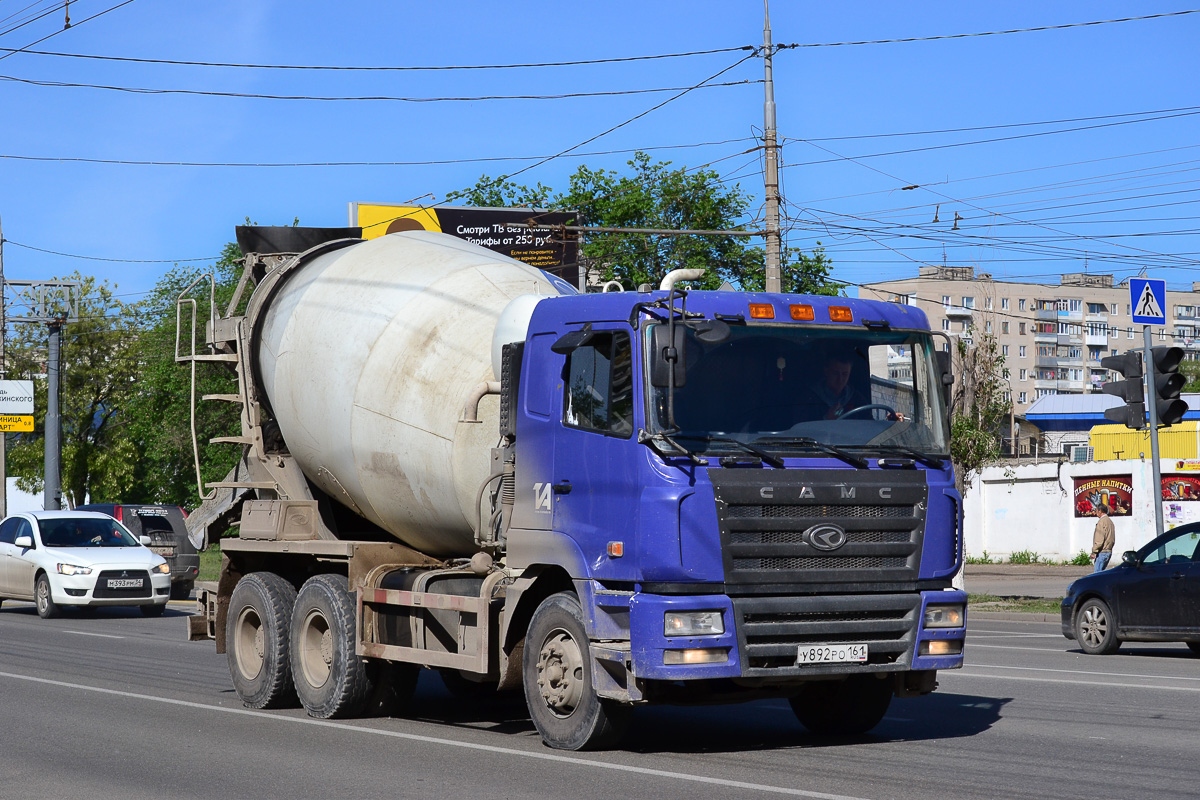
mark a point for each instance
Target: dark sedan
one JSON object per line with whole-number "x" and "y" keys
{"x": 1153, "y": 596}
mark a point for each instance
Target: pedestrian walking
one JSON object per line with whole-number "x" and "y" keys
{"x": 1103, "y": 539}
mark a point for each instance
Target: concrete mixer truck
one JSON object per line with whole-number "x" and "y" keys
{"x": 451, "y": 460}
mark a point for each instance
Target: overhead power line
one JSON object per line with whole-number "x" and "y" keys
{"x": 993, "y": 33}
{"x": 114, "y": 260}
{"x": 363, "y": 68}
{"x": 60, "y": 30}
{"x": 393, "y": 98}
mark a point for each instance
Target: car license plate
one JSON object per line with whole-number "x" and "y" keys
{"x": 163, "y": 551}
{"x": 124, "y": 583}
{"x": 831, "y": 653}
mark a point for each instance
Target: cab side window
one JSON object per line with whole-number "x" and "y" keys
{"x": 598, "y": 385}
{"x": 8, "y": 531}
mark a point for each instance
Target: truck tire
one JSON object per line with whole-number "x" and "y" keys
{"x": 44, "y": 600}
{"x": 181, "y": 590}
{"x": 1095, "y": 628}
{"x": 848, "y": 707}
{"x": 557, "y": 673}
{"x": 331, "y": 679}
{"x": 256, "y": 640}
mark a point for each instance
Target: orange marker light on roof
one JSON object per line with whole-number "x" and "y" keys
{"x": 802, "y": 312}
{"x": 840, "y": 314}
{"x": 762, "y": 311}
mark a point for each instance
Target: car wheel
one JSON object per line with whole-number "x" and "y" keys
{"x": 559, "y": 692}
{"x": 331, "y": 679}
{"x": 1194, "y": 647}
{"x": 181, "y": 590}
{"x": 153, "y": 609}
{"x": 44, "y": 600}
{"x": 849, "y": 707}
{"x": 256, "y": 640}
{"x": 1095, "y": 628}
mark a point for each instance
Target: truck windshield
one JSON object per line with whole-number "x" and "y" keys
{"x": 786, "y": 389}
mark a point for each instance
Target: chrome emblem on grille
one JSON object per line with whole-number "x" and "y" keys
{"x": 825, "y": 536}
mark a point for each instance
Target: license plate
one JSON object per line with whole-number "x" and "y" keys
{"x": 124, "y": 583}
{"x": 831, "y": 653}
{"x": 163, "y": 551}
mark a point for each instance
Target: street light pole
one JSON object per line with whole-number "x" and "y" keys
{"x": 772, "y": 261}
{"x": 53, "y": 454}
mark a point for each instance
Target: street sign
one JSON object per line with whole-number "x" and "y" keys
{"x": 11, "y": 423}
{"x": 16, "y": 397}
{"x": 1148, "y": 300}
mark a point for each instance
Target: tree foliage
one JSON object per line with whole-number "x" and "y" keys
{"x": 655, "y": 195}
{"x": 979, "y": 405}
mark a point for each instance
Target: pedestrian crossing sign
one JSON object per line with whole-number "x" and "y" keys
{"x": 1148, "y": 300}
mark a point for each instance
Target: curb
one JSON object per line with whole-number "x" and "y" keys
{"x": 1013, "y": 616}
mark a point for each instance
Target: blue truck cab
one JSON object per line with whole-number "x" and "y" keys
{"x": 743, "y": 495}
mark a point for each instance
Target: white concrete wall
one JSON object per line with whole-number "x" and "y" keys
{"x": 1032, "y": 507}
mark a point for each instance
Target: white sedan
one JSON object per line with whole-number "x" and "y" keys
{"x": 79, "y": 558}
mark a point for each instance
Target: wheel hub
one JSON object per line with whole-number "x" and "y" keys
{"x": 1094, "y": 626}
{"x": 560, "y": 673}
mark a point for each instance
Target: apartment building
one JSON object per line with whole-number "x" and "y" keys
{"x": 1052, "y": 336}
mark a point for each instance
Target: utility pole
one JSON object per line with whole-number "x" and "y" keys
{"x": 773, "y": 257}
{"x": 1152, "y": 418}
{"x": 53, "y": 490}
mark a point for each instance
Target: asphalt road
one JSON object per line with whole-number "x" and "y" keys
{"x": 113, "y": 705}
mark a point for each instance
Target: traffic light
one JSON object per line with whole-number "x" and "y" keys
{"x": 1167, "y": 384}
{"x": 1133, "y": 413}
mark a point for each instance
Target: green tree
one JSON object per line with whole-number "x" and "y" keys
{"x": 159, "y": 411}
{"x": 98, "y": 373}
{"x": 980, "y": 403}
{"x": 655, "y": 195}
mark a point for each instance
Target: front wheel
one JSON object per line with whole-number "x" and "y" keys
{"x": 852, "y": 706}
{"x": 1095, "y": 628}
{"x": 557, "y": 675}
{"x": 44, "y": 600}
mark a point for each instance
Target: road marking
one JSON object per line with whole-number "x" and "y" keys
{"x": 487, "y": 748}
{"x": 975, "y": 645}
{"x": 1109, "y": 684}
{"x": 1086, "y": 672}
{"x": 101, "y": 635}
{"x": 1006, "y": 634}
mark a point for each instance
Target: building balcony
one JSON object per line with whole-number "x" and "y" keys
{"x": 957, "y": 312}
{"x": 1096, "y": 339}
{"x": 1070, "y": 338}
{"x": 1049, "y": 338}
{"x": 1046, "y": 314}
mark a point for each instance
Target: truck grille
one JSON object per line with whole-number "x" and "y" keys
{"x": 772, "y": 542}
{"x": 771, "y": 631}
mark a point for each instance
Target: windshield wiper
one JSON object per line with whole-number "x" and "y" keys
{"x": 928, "y": 459}
{"x": 805, "y": 441}
{"x": 649, "y": 439}
{"x": 774, "y": 461}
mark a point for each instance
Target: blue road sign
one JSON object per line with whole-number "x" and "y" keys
{"x": 1148, "y": 299}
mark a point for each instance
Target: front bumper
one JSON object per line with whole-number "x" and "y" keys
{"x": 763, "y": 635}
{"x": 81, "y": 590}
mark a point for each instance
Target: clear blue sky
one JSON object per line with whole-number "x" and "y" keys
{"x": 1120, "y": 204}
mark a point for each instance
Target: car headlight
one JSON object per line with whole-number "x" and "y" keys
{"x": 944, "y": 616}
{"x": 693, "y": 623}
{"x": 71, "y": 569}
{"x": 163, "y": 568}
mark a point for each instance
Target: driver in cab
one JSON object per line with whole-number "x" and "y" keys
{"x": 834, "y": 392}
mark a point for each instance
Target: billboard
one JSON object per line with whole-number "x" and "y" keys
{"x": 1114, "y": 491}
{"x": 1177, "y": 488}
{"x": 547, "y": 248}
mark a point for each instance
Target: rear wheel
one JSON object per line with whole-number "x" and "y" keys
{"x": 256, "y": 640}
{"x": 44, "y": 600}
{"x": 558, "y": 681}
{"x": 848, "y": 707}
{"x": 1095, "y": 628}
{"x": 331, "y": 679}
{"x": 181, "y": 590}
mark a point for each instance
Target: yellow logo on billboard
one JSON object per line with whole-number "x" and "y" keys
{"x": 379, "y": 220}
{"x": 12, "y": 423}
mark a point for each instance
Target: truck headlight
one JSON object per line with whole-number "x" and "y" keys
{"x": 71, "y": 569}
{"x": 693, "y": 623}
{"x": 163, "y": 568}
{"x": 944, "y": 616}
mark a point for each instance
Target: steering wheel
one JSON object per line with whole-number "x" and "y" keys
{"x": 869, "y": 407}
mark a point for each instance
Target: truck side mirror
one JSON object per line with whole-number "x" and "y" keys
{"x": 711, "y": 331}
{"x": 572, "y": 340}
{"x": 660, "y": 365}
{"x": 942, "y": 359}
